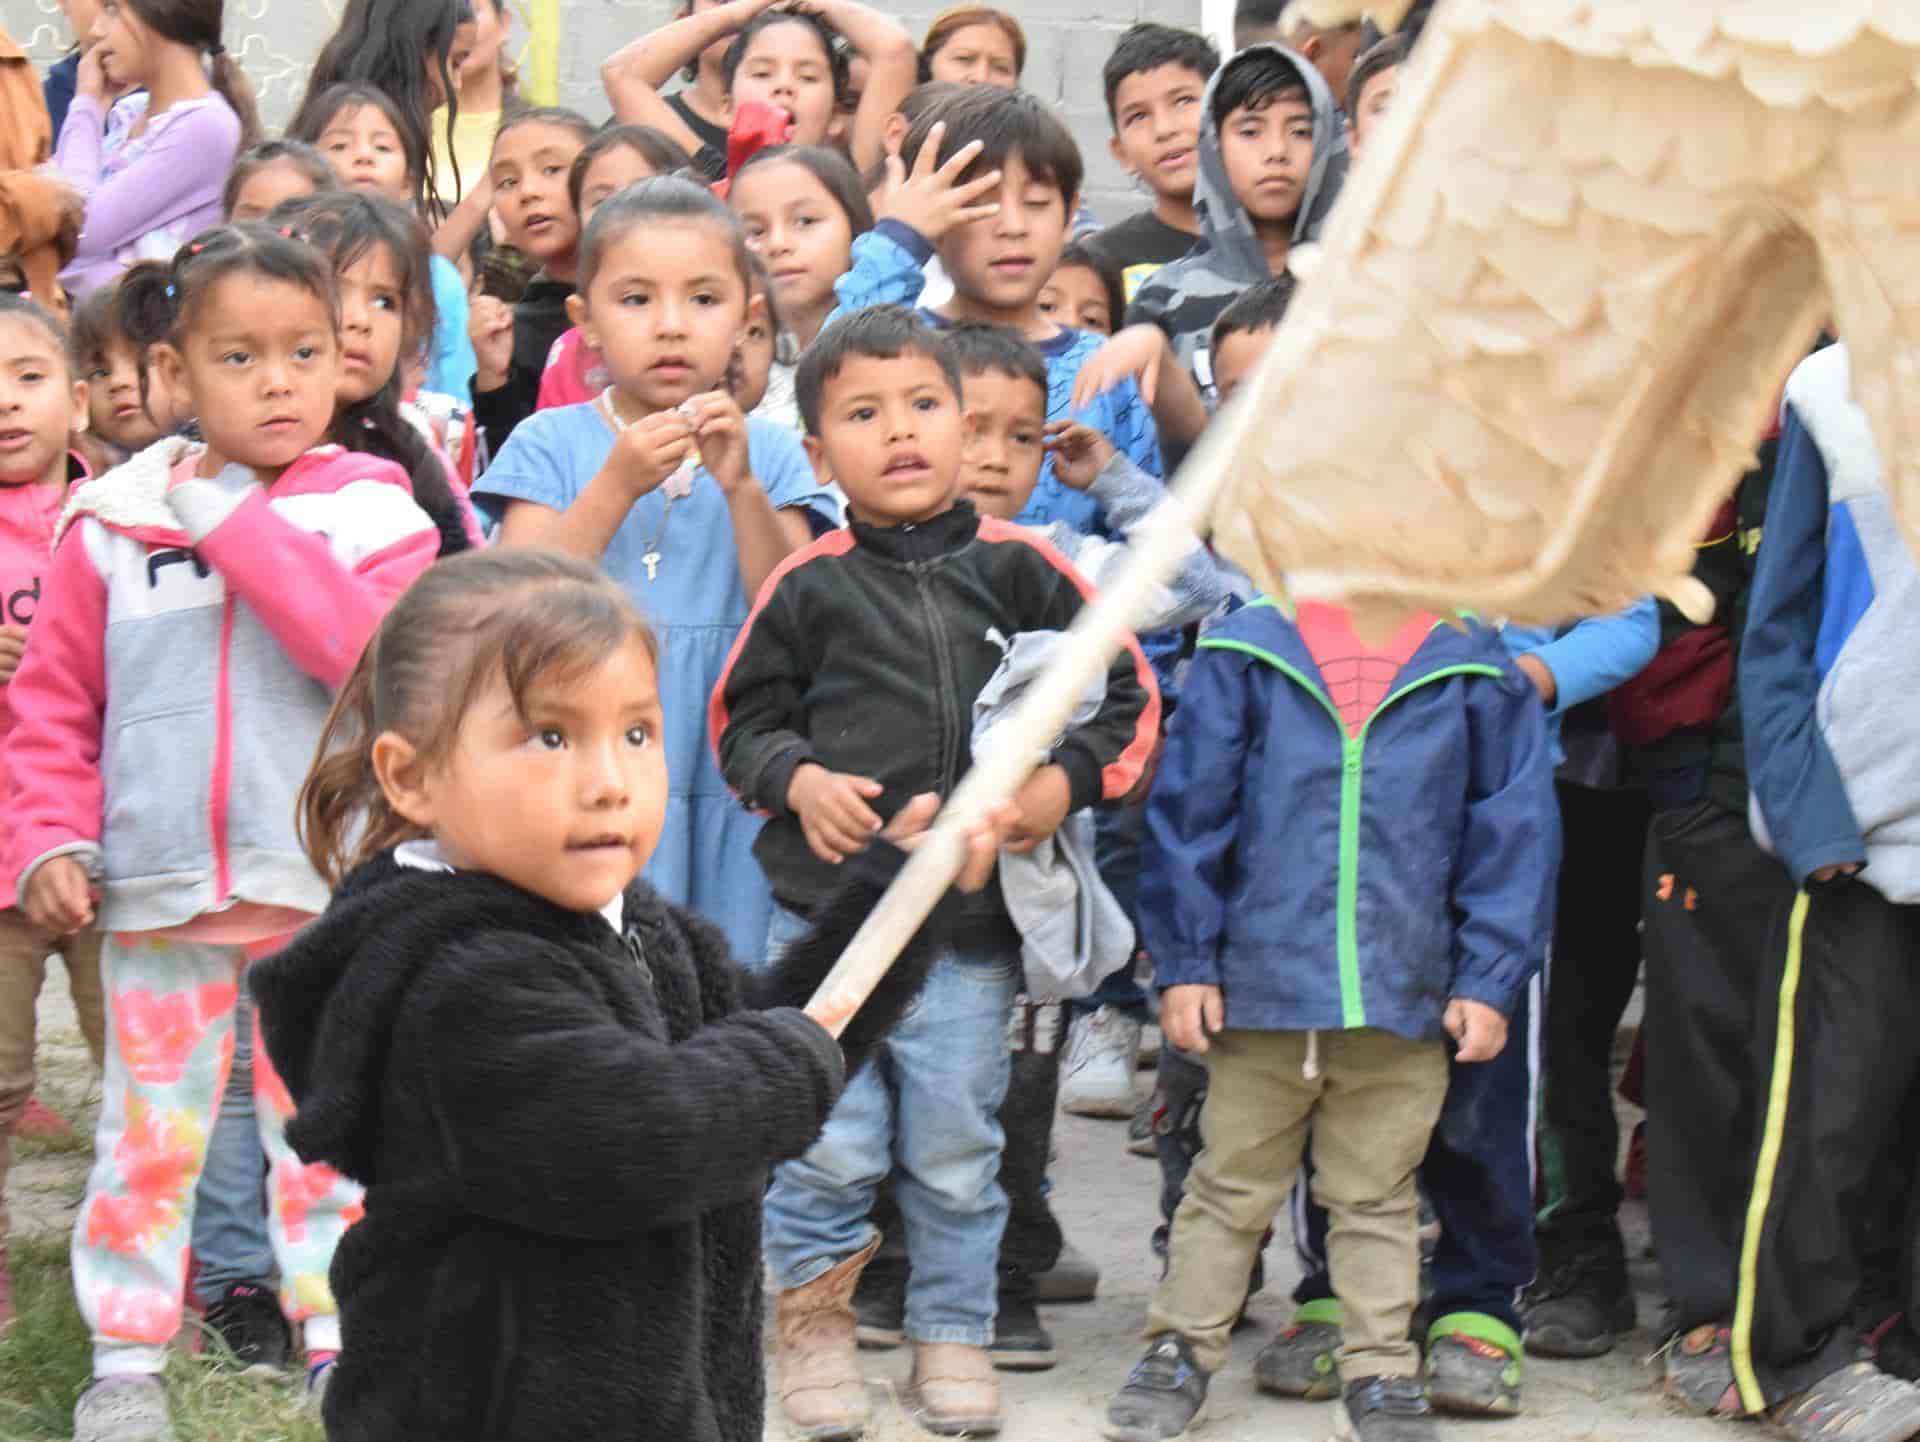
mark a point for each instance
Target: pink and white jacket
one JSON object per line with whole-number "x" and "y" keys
{"x": 191, "y": 636}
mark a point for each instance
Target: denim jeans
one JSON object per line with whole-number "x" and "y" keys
{"x": 933, "y": 1111}
{"x": 230, "y": 1209}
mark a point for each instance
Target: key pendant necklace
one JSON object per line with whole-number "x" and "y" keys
{"x": 676, "y": 485}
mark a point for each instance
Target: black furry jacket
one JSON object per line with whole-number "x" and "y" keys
{"x": 564, "y": 1135}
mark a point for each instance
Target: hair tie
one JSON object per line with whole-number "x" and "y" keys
{"x": 169, "y": 290}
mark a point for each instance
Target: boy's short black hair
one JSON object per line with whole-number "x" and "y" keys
{"x": 880, "y": 332}
{"x": 1261, "y": 307}
{"x": 994, "y": 350}
{"x": 1148, "y": 46}
{"x": 1383, "y": 55}
{"x": 1255, "y": 15}
{"x": 1253, "y": 80}
{"x": 1006, "y": 122}
{"x": 1112, "y": 277}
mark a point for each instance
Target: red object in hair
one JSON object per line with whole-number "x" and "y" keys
{"x": 756, "y": 126}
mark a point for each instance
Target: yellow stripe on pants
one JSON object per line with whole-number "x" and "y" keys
{"x": 1748, "y": 1381}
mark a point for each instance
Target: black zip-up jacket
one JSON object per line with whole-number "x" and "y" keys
{"x": 539, "y": 319}
{"x": 865, "y": 653}
{"x": 564, "y": 1134}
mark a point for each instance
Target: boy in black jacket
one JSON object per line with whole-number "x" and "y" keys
{"x": 848, "y": 697}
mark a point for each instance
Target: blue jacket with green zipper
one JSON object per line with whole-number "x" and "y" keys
{"x": 1327, "y": 881}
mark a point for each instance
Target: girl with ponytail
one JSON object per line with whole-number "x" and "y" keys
{"x": 164, "y": 184}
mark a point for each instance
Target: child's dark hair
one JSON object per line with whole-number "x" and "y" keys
{"x": 95, "y": 327}
{"x": 918, "y": 101}
{"x": 388, "y": 44}
{"x": 1260, "y": 307}
{"x": 949, "y": 23}
{"x": 26, "y": 308}
{"x": 832, "y": 169}
{"x": 345, "y": 226}
{"x": 651, "y": 145}
{"x": 197, "y": 23}
{"x": 1112, "y": 279}
{"x": 529, "y": 616}
{"x": 993, "y": 350}
{"x": 1255, "y": 79}
{"x": 760, "y": 283}
{"x": 1148, "y": 46}
{"x": 316, "y": 116}
{"x": 1382, "y": 55}
{"x": 837, "y": 63}
{"x": 1007, "y": 123}
{"x": 880, "y": 332}
{"x": 251, "y": 161}
{"x": 558, "y": 116}
{"x": 665, "y": 198}
{"x": 1251, "y": 15}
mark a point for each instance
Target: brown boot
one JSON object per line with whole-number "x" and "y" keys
{"x": 823, "y": 1394}
{"x": 954, "y": 1391}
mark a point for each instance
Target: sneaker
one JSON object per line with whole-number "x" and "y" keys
{"x": 1859, "y": 1403}
{"x": 1165, "y": 1394}
{"x": 320, "y": 1367}
{"x": 1020, "y": 1343}
{"x": 123, "y": 1409}
{"x": 1579, "y": 1307}
{"x": 1096, "y": 1077}
{"x": 1140, "y": 1140}
{"x": 1699, "y": 1372}
{"x": 1385, "y": 1409}
{"x": 1074, "y": 1277}
{"x": 254, "y": 1335}
{"x": 880, "y": 1308}
{"x": 1298, "y": 1362}
{"x": 1473, "y": 1365}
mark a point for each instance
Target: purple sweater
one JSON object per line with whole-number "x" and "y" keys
{"x": 148, "y": 197}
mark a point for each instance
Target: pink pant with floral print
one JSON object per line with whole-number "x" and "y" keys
{"x": 169, "y": 1045}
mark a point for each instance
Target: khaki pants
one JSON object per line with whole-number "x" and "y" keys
{"x": 1369, "y": 1113}
{"x": 24, "y": 948}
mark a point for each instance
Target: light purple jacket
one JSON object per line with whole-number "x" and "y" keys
{"x": 147, "y": 197}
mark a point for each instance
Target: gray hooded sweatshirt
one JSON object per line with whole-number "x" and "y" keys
{"x": 1186, "y": 297}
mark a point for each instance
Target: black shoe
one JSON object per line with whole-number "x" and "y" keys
{"x": 880, "y": 1308}
{"x": 1166, "y": 1393}
{"x": 252, "y": 1333}
{"x": 1581, "y": 1305}
{"x": 1020, "y": 1343}
{"x": 1385, "y": 1409}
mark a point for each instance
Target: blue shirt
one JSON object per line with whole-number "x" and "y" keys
{"x": 450, "y": 360}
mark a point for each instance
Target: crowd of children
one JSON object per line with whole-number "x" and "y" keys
{"x": 491, "y": 597}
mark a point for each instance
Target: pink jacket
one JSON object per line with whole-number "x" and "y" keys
{"x": 192, "y": 636}
{"x": 575, "y": 374}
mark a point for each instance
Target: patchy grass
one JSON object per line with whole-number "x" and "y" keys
{"x": 45, "y": 1360}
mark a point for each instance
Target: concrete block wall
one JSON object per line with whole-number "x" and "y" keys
{"x": 1068, "y": 42}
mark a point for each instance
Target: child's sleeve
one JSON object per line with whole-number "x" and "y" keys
{"x": 1600, "y": 653}
{"x": 1127, "y": 496}
{"x": 59, "y": 699}
{"x": 532, "y": 466}
{"x": 321, "y": 595}
{"x": 1795, "y": 780}
{"x": 757, "y": 712}
{"x": 566, "y": 1123}
{"x": 1187, "y": 854}
{"x": 1503, "y": 879}
{"x": 780, "y": 464}
{"x": 450, "y": 363}
{"x": 1132, "y": 429}
{"x": 888, "y": 269}
{"x": 185, "y": 162}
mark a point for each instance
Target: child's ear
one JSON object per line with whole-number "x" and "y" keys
{"x": 82, "y": 417}
{"x": 817, "y": 456}
{"x": 402, "y": 774}
{"x": 171, "y": 367}
{"x": 1119, "y": 155}
{"x": 578, "y": 314}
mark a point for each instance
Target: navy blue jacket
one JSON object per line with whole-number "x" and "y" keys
{"x": 1328, "y": 882}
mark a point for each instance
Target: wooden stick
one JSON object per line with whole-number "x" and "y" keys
{"x": 1155, "y": 551}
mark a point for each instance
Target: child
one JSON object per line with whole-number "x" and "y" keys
{"x": 614, "y": 159}
{"x": 1269, "y": 174}
{"x": 810, "y": 724}
{"x": 561, "y": 1092}
{"x": 1241, "y": 335}
{"x": 803, "y": 208}
{"x": 1257, "y": 22}
{"x": 989, "y": 179}
{"x": 165, "y": 183}
{"x": 1331, "y": 991}
{"x": 270, "y": 173}
{"x": 974, "y": 45}
{"x": 42, "y": 410}
{"x": 129, "y": 401}
{"x": 784, "y": 58}
{"x": 1333, "y": 49}
{"x": 1376, "y": 75}
{"x": 702, "y": 100}
{"x": 533, "y": 156}
{"x": 1085, "y": 291}
{"x": 1156, "y": 81}
{"x": 687, "y": 503}
{"x": 373, "y": 150}
{"x": 488, "y": 85}
{"x": 198, "y": 615}
{"x": 760, "y": 383}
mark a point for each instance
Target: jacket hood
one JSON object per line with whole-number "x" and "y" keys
{"x": 330, "y": 1001}
{"x": 1263, "y": 626}
{"x": 1225, "y": 226}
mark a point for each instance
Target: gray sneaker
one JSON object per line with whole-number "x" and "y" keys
{"x": 1298, "y": 1362}
{"x": 1166, "y": 1393}
{"x": 123, "y": 1409}
{"x": 1473, "y": 1366}
{"x": 1385, "y": 1409}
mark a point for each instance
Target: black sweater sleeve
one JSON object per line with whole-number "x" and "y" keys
{"x": 498, "y": 412}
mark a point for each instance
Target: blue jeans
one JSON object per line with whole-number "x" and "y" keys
{"x": 931, "y": 1107}
{"x": 230, "y": 1208}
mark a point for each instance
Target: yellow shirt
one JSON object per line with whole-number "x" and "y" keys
{"x": 472, "y": 144}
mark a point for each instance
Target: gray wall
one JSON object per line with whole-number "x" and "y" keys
{"x": 1068, "y": 40}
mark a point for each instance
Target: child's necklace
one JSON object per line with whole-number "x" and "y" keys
{"x": 676, "y": 485}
